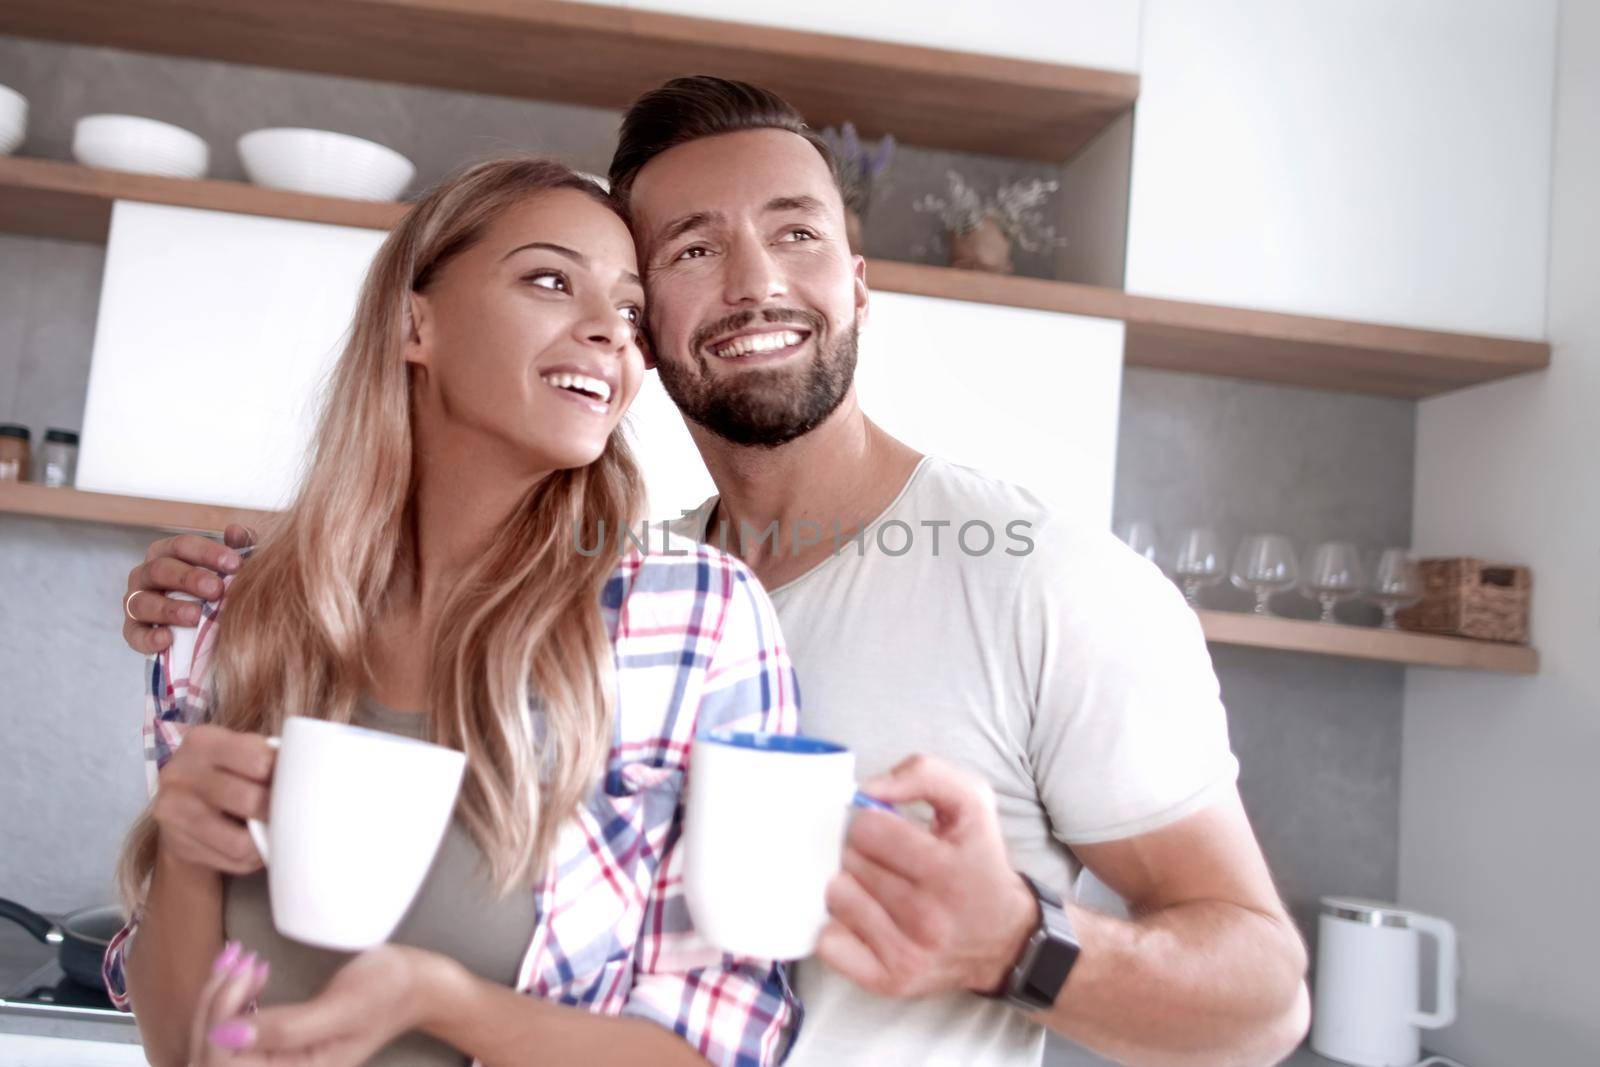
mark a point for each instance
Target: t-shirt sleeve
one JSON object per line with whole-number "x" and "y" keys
{"x": 1128, "y": 732}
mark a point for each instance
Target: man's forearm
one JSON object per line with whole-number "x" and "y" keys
{"x": 1206, "y": 984}
{"x": 500, "y": 1027}
{"x": 167, "y": 963}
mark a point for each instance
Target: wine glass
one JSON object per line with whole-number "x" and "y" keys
{"x": 1141, "y": 537}
{"x": 1265, "y": 564}
{"x": 1396, "y": 583}
{"x": 1335, "y": 574}
{"x": 1198, "y": 563}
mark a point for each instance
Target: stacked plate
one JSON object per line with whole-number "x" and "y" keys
{"x": 140, "y": 145}
{"x": 324, "y": 163}
{"x": 13, "y": 120}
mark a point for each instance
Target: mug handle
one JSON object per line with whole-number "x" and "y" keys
{"x": 861, "y": 800}
{"x": 258, "y": 827}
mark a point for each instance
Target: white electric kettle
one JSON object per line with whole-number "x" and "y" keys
{"x": 1368, "y": 989}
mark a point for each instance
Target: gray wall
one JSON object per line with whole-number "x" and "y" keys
{"x": 1319, "y": 739}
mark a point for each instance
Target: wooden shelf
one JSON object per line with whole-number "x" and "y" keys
{"x": 1266, "y": 346}
{"x": 110, "y": 509}
{"x": 605, "y": 56}
{"x": 48, "y": 198}
{"x": 1363, "y": 642}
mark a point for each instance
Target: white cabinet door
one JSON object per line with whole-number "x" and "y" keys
{"x": 1362, "y": 159}
{"x": 214, "y": 336}
{"x": 1028, "y": 396}
{"x": 1089, "y": 33}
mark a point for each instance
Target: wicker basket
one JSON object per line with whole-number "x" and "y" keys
{"x": 1471, "y": 598}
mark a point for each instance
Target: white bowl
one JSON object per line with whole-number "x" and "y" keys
{"x": 324, "y": 163}
{"x": 13, "y": 120}
{"x": 140, "y": 145}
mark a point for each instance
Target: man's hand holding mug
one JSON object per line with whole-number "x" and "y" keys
{"x": 927, "y": 909}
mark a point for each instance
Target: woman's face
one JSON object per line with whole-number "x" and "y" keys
{"x": 530, "y": 338}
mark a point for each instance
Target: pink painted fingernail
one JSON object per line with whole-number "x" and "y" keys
{"x": 246, "y": 964}
{"x": 234, "y": 1036}
{"x": 263, "y": 969}
{"x": 226, "y": 958}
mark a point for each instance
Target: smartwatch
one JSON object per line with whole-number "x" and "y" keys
{"x": 1042, "y": 968}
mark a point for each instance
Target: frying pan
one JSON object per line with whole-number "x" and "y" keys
{"x": 81, "y": 937}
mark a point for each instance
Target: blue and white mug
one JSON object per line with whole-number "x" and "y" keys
{"x": 767, "y": 815}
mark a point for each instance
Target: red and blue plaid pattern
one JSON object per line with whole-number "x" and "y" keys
{"x": 697, "y": 647}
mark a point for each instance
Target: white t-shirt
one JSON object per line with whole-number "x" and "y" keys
{"x": 1057, "y": 664}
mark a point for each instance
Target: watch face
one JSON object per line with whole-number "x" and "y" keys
{"x": 1051, "y": 964}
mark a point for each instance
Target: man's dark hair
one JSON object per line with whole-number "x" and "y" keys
{"x": 687, "y": 109}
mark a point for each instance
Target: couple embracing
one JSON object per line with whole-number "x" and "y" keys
{"x": 1053, "y": 709}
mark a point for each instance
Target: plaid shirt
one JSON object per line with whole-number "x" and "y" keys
{"x": 697, "y": 647}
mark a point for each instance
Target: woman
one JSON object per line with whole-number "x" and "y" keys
{"x": 429, "y": 562}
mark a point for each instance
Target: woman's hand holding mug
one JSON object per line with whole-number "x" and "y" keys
{"x": 214, "y": 781}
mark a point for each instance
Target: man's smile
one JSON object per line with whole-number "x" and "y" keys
{"x": 760, "y": 345}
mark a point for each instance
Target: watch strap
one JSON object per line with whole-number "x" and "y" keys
{"x": 1046, "y": 959}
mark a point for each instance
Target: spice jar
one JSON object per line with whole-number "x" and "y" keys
{"x": 13, "y": 452}
{"x": 60, "y": 460}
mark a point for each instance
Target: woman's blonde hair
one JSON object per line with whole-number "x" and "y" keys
{"x": 521, "y": 674}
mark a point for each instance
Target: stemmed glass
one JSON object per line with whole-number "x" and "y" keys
{"x": 1198, "y": 563}
{"x": 1141, "y": 537}
{"x": 1265, "y": 564}
{"x": 1396, "y": 584}
{"x": 1335, "y": 574}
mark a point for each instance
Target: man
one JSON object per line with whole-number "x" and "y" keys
{"x": 1050, "y": 700}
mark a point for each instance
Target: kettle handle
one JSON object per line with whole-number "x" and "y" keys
{"x": 1444, "y": 1002}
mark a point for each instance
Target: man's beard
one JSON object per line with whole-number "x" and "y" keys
{"x": 765, "y": 407}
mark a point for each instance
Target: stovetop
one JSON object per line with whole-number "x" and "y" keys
{"x": 48, "y": 991}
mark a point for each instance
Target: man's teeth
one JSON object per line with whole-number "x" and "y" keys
{"x": 757, "y": 342}
{"x": 581, "y": 383}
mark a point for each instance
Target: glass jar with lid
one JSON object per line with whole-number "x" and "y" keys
{"x": 59, "y": 462}
{"x": 14, "y": 439}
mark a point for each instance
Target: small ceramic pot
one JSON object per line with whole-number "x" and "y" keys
{"x": 984, "y": 247}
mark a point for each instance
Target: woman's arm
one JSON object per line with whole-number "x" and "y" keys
{"x": 392, "y": 989}
{"x": 168, "y": 961}
{"x": 203, "y": 781}
{"x": 498, "y": 1026}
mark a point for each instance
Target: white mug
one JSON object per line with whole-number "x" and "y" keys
{"x": 355, "y": 819}
{"x": 767, "y": 815}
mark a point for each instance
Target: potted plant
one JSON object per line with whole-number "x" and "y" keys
{"x": 983, "y": 229}
{"x": 860, "y": 167}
